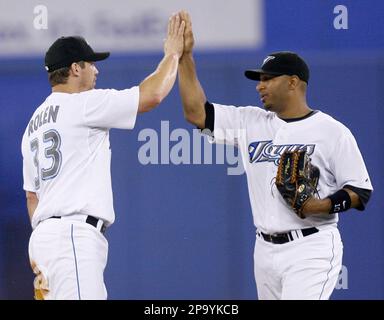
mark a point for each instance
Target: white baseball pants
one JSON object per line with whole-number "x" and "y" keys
{"x": 71, "y": 256}
{"x": 303, "y": 269}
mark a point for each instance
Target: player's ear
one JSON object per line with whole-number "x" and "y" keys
{"x": 294, "y": 82}
{"x": 75, "y": 69}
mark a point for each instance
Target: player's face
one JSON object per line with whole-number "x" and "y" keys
{"x": 88, "y": 76}
{"x": 273, "y": 91}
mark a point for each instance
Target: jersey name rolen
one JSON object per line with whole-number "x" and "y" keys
{"x": 262, "y": 151}
{"x": 46, "y": 116}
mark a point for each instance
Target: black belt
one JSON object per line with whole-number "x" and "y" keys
{"x": 90, "y": 220}
{"x": 280, "y": 238}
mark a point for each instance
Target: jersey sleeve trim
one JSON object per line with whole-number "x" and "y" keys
{"x": 364, "y": 195}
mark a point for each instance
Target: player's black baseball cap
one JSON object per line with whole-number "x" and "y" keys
{"x": 66, "y": 50}
{"x": 281, "y": 63}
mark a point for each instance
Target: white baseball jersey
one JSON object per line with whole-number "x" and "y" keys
{"x": 262, "y": 137}
{"x": 66, "y": 151}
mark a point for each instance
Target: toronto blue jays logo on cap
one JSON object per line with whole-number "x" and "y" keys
{"x": 267, "y": 59}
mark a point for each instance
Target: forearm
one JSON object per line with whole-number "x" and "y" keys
{"x": 192, "y": 94}
{"x": 316, "y": 206}
{"x": 32, "y": 203}
{"x": 157, "y": 85}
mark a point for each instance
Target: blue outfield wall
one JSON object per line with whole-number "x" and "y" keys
{"x": 186, "y": 231}
{"x": 309, "y": 24}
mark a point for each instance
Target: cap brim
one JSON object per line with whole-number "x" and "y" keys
{"x": 98, "y": 56}
{"x": 255, "y": 74}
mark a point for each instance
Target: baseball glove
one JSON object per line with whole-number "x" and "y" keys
{"x": 296, "y": 179}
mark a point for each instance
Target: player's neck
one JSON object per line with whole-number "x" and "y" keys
{"x": 295, "y": 107}
{"x": 294, "y": 111}
{"x": 66, "y": 88}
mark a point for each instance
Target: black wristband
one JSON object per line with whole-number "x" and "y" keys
{"x": 341, "y": 201}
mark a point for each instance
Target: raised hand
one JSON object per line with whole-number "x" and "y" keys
{"x": 189, "y": 40}
{"x": 174, "y": 43}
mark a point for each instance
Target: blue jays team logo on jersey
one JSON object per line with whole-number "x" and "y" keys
{"x": 262, "y": 151}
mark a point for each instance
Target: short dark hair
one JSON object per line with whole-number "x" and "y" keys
{"x": 60, "y": 76}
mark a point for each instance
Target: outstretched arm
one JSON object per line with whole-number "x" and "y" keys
{"x": 156, "y": 86}
{"x": 192, "y": 94}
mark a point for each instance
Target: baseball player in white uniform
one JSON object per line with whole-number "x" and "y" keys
{"x": 66, "y": 163}
{"x": 294, "y": 258}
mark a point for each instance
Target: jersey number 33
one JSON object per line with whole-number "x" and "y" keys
{"x": 52, "y": 152}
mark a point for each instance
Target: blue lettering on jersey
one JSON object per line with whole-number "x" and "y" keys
{"x": 262, "y": 151}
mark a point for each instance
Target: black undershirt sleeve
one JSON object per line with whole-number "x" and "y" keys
{"x": 209, "y": 116}
{"x": 364, "y": 195}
